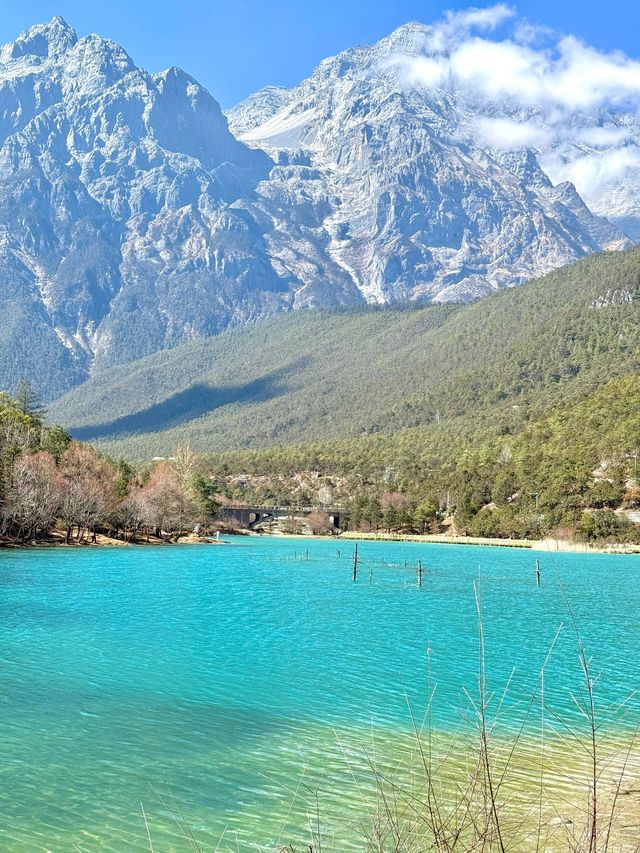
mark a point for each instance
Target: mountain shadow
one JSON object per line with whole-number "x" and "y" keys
{"x": 192, "y": 403}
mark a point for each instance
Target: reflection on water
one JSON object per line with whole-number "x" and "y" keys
{"x": 245, "y": 687}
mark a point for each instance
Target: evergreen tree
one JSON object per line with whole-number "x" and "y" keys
{"x": 28, "y": 402}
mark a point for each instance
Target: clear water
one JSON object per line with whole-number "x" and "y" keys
{"x": 210, "y": 683}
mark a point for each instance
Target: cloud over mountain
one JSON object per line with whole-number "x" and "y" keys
{"x": 537, "y": 89}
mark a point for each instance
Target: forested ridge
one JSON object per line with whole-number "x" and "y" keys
{"x": 317, "y": 376}
{"x": 565, "y": 474}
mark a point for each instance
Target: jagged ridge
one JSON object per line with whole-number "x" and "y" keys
{"x": 132, "y": 219}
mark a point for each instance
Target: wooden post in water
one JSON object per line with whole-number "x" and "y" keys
{"x": 419, "y": 572}
{"x": 537, "y": 572}
{"x": 355, "y": 562}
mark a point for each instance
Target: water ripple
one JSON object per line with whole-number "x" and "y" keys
{"x": 216, "y": 682}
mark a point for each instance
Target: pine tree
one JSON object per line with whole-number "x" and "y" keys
{"x": 28, "y": 402}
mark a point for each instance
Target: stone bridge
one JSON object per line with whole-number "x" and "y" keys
{"x": 251, "y": 517}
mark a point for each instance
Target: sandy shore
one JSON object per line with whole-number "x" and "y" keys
{"x": 547, "y": 545}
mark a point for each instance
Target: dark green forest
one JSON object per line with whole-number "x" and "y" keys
{"x": 565, "y": 473}
{"x": 316, "y": 376}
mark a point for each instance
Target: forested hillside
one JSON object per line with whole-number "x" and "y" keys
{"x": 515, "y": 414}
{"x": 316, "y": 376}
{"x": 568, "y": 470}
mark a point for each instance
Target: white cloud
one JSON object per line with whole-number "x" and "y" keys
{"x": 573, "y": 75}
{"x": 536, "y": 89}
{"x": 568, "y": 73}
{"x": 455, "y": 26}
{"x": 592, "y": 174}
{"x": 497, "y": 70}
{"x": 511, "y": 135}
{"x": 479, "y": 19}
{"x": 603, "y": 137}
{"x": 527, "y": 33}
{"x": 426, "y": 71}
{"x": 583, "y": 77}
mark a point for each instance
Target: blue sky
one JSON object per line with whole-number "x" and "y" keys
{"x": 236, "y": 46}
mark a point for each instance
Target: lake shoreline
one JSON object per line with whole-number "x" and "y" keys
{"x": 559, "y": 546}
{"x": 58, "y": 540}
{"x": 547, "y": 545}
{"x": 550, "y": 546}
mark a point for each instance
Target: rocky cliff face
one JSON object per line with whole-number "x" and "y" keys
{"x": 132, "y": 219}
{"x": 419, "y": 208}
{"x": 125, "y": 220}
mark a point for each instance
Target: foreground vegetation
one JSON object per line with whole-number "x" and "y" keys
{"x": 489, "y": 787}
{"x": 48, "y": 481}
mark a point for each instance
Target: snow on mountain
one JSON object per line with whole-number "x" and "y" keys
{"x": 420, "y": 208}
{"x": 132, "y": 218}
{"x": 123, "y": 209}
{"x": 259, "y": 107}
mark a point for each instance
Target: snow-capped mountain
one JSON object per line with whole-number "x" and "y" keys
{"x": 132, "y": 218}
{"x": 419, "y": 208}
{"x": 125, "y": 221}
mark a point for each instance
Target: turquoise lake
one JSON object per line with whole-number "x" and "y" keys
{"x": 210, "y": 683}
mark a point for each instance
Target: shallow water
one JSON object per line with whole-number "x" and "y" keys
{"x": 224, "y": 687}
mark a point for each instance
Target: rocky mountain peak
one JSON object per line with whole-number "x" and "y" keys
{"x": 420, "y": 208}
{"x": 410, "y": 39}
{"x": 176, "y": 78}
{"x": 259, "y": 107}
{"x": 42, "y": 40}
{"x": 95, "y": 63}
{"x": 134, "y": 215}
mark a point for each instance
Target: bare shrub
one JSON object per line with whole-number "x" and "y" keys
{"x": 320, "y": 524}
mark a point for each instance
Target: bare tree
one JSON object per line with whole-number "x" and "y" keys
{"x": 185, "y": 462}
{"x": 34, "y": 496}
{"x": 168, "y": 505}
{"x": 89, "y": 494}
{"x": 131, "y": 514}
{"x": 320, "y": 524}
